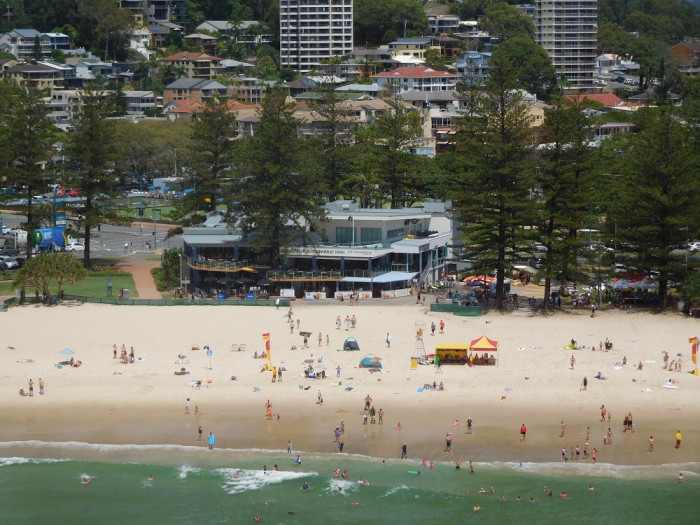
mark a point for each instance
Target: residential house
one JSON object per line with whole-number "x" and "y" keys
{"x": 86, "y": 70}
{"x": 193, "y": 90}
{"x": 473, "y": 66}
{"x": 234, "y": 66}
{"x": 605, "y": 62}
{"x": 688, "y": 55}
{"x": 417, "y": 78}
{"x": 247, "y": 89}
{"x": 139, "y": 102}
{"x": 687, "y": 51}
{"x": 186, "y": 109}
{"x": 416, "y": 46}
{"x": 59, "y": 41}
{"x": 438, "y": 108}
{"x": 449, "y": 46}
{"x": 149, "y": 11}
{"x": 205, "y": 43}
{"x": 250, "y": 32}
{"x": 34, "y": 76}
{"x": 22, "y": 43}
{"x": 195, "y": 64}
{"x": 440, "y": 24}
{"x": 139, "y": 40}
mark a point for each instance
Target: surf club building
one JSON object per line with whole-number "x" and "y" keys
{"x": 364, "y": 253}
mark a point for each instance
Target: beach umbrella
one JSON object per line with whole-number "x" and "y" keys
{"x": 264, "y": 282}
{"x": 321, "y": 367}
{"x": 67, "y": 351}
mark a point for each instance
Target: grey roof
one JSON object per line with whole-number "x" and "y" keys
{"x": 200, "y": 36}
{"x": 27, "y": 33}
{"x": 365, "y": 88}
{"x": 235, "y": 63}
{"x": 195, "y": 83}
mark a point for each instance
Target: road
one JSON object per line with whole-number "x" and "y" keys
{"x": 110, "y": 240}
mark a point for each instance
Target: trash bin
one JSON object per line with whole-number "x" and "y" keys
{"x": 414, "y": 363}
{"x": 221, "y": 296}
{"x": 126, "y": 293}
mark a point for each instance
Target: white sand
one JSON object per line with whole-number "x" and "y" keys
{"x": 106, "y": 401}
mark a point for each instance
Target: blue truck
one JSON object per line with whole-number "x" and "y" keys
{"x": 49, "y": 239}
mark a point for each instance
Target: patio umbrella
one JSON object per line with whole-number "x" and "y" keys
{"x": 264, "y": 282}
{"x": 67, "y": 351}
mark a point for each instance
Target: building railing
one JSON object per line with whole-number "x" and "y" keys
{"x": 215, "y": 264}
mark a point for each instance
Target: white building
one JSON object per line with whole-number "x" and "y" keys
{"x": 568, "y": 31}
{"x": 312, "y": 31}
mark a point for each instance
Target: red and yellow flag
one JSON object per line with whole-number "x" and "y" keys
{"x": 694, "y": 342}
{"x": 266, "y": 336}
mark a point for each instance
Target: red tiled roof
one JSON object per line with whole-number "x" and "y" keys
{"x": 191, "y": 57}
{"x": 414, "y": 72}
{"x": 607, "y": 99}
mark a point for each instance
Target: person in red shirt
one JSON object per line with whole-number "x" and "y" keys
{"x": 523, "y": 431}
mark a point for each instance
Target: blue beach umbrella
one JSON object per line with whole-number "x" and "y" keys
{"x": 67, "y": 351}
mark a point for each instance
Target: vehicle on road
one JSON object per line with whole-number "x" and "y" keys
{"x": 694, "y": 246}
{"x": 619, "y": 268}
{"x": 537, "y": 262}
{"x": 136, "y": 193}
{"x": 8, "y": 262}
{"x": 620, "y": 79}
{"x": 8, "y": 250}
{"x": 75, "y": 246}
{"x": 73, "y": 193}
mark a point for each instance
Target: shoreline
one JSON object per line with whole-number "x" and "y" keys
{"x": 143, "y": 403}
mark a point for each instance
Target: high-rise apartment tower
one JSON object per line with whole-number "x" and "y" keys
{"x": 568, "y": 32}
{"x": 312, "y": 31}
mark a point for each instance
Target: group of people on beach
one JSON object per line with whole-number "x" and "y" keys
{"x": 124, "y": 357}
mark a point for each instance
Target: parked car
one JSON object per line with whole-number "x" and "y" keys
{"x": 694, "y": 246}
{"x": 618, "y": 78}
{"x": 75, "y": 246}
{"x": 601, "y": 82}
{"x": 73, "y": 193}
{"x": 537, "y": 262}
{"x": 136, "y": 193}
{"x": 619, "y": 268}
{"x": 8, "y": 263}
{"x": 8, "y": 250}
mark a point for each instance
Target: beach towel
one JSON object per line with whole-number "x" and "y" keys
{"x": 256, "y": 389}
{"x": 420, "y": 389}
{"x": 348, "y": 388}
{"x": 26, "y": 361}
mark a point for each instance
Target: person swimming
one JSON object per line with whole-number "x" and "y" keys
{"x": 150, "y": 477}
{"x": 86, "y": 479}
{"x": 305, "y": 486}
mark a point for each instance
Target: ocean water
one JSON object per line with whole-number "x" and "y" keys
{"x": 43, "y": 483}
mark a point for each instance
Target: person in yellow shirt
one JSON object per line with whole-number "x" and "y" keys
{"x": 679, "y": 438}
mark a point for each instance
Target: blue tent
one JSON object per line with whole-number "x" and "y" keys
{"x": 351, "y": 344}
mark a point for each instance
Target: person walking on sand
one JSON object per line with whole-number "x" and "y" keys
{"x": 523, "y": 432}
{"x": 432, "y": 328}
{"x": 212, "y": 439}
{"x": 199, "y": 431}
{"x": 187, "y": 406}
{"x": 584, "y": 383}
{"x": 573, "y": 361}
{"x": 404, "y": 452}
{"x": 337, "y": 371}
{"x": 31, "y": 389}
{"x": 442, "y": 326}
{"x": 320, "y": 339}
{"x": 602, "y": 412}
{"x": 651, "y": 444}
{"x": 41, "y": 387}
{"x": 679, "y": 438}
{"x": 388, "y": 340}
{"x": 469, "y": 425}
{"x": 381, "y": 416}
{"x": 563, "y": 429}
{"x": 320, "y": 397}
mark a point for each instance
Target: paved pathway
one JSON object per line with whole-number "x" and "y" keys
{"x": 141, "y": 271}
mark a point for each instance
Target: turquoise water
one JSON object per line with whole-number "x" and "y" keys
{"x": 200, "y": 486}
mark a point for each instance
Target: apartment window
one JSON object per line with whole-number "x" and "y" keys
{"x": 371, "y": 235}
{"x": 343, "y": 234}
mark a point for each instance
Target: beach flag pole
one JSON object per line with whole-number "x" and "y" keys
{"x": 694, "y": 342}
{"x": 268, "y": 358}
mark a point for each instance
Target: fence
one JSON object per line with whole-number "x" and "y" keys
{"x": 463, "y": 311}
{"x": 163, "y": 302}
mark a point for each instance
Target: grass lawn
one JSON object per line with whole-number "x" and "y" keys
{"x": 95, "y": 285}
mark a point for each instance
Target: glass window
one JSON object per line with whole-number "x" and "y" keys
{"x": 343, "y": 234}
{"x": 371, "y": 235}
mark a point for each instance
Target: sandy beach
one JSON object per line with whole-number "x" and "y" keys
{"x": 105, "y": 401}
